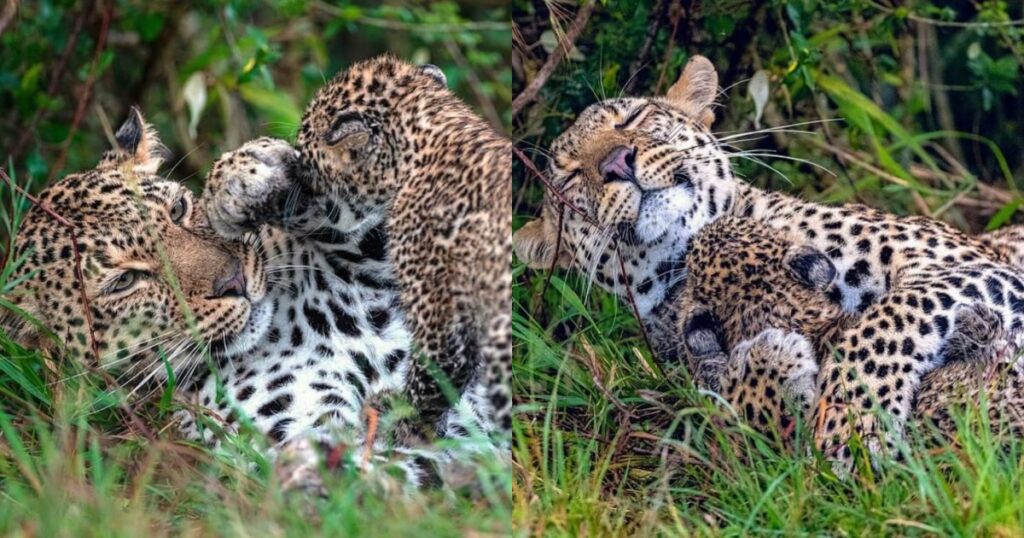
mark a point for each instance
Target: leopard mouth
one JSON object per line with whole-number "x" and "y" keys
{"x": 251, "y": 334}
{"x": 258, "y": 310}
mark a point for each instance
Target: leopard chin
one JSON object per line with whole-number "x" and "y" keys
{"x": 663, "y": 211}
{"x": 261, "y": 314}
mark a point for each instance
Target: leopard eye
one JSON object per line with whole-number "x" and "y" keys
{"x": 348, "y": 127}
{"x": 125, "y": 281}
{"x": 633, "y": 116}
{"x": 179, "y": 210}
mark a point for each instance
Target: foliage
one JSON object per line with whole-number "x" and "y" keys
{"x": 912, "y": 108}
{"x": 917, "y": 108}
{"x": 210, "y": 75}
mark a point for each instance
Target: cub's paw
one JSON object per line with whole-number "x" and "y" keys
{"x": 977, "y": 335}
{"x": 297, "y": 468}
{"x": 705, "y": 347}
{"x": 788, "y": 353}
{"x": 391, "y": 420}
{"x": 247, "y": 187}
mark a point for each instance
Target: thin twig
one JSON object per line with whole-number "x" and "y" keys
{"x": 7, "y": 14}
{"x": 371, "y": 434}
{"x": 551, "y": 188}
{"x": 565, "y": 202}
{"x": 952, "y": 24}
{"x": 645, "y": 50}
{"x": 55, "y": 79}
{"x": 530, "y": 92}
{"x": 388, "y": 24}
{"x": 486, "y": 106}
{"x": 74, "y": 249}
{"x": 554, "y": 256}
{"x": 632, "y": 301}
{"x": 101, "y": 41}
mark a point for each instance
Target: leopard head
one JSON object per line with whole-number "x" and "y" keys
{"x": 369, "y": 127}
{"x": 643, "y": 175}
{"x": 161, "y": 288}
{"x": 749, "y": 277}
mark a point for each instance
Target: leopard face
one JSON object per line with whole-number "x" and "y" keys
{"x": 362, "y": 131}
{"x": 644, "y": 174}
{"x": 159, "y": 284}
{"x": 752, "y": 278}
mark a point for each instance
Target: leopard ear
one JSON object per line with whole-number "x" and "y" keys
{"x": 137, "y": 144}
{"x": 534, "y": 243}
{"x": 811, "y": 268}
{"x": 695, "y": 91}
{"x": 435, "y": 73}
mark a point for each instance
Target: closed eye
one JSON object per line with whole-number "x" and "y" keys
{"x": 568, "y": 182}
{"x": 631, "y": 119}
{"x": 345, "y": 125}
{"x": 344, "y": 118}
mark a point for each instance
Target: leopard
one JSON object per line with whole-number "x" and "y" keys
{"x": 633, "y": 179}
{"x": 757, "y": 324}
{"x": 282, "y": 324}
{"x": 391, "y": 139}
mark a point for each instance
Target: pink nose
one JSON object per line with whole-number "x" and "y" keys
{"x": 618, "y": 165}
{"x": 232, "y": 285}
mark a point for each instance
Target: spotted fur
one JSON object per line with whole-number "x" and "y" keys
{"x": 758, "y": 324}
{"x": 301, "y": 319}
{"x": 647, "y": 174}
{"x": 391, "y": 139}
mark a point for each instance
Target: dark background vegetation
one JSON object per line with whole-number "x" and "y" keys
{"x": 213, "y": 74}
{"x": 927, "y": 93}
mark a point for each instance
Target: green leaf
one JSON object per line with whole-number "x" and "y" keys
{"x": 856, "y": 104}
{"x": 1003, "y": 215}
{"x": 149, "y": 25}
{"x": 278, "y": 108}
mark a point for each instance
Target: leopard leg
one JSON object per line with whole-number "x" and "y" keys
{"x": 496, "y": 352}
{"x": 870, "y": 378}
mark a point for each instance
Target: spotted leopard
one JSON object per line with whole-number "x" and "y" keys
{"x": 757, "y": 324}
{"x": 645, "y": 174}
{"x": 391, "y": 139}
{"x": 301, "y": 320}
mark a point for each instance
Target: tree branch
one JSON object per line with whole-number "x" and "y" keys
{"x": 531, "y": 90}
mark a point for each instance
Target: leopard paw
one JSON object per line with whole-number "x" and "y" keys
{"x": 792, "y": 355}
{"x": 297, "y": 468}
{"x": 246, "y": 187}
{"x": 399, "y": 425}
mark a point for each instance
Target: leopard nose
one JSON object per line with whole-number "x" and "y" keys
{"x": 232, "y": 285}
{"x": 618, "y": 165}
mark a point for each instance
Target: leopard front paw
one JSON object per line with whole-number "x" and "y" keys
{"x": 399, "y": 424}
{"x": 247, "y": 187}
{"x": 839, "y": 433}
{"x": 298, "y": 468}
{"x": 705, "y": 349}
{"x": 788, "y": 353}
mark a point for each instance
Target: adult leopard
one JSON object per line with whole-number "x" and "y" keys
{"x": 302, "y": 320}
{"x": 650, "y": 174}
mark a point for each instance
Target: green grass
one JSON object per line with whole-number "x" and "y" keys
{"x": 71, "y": 466}
{"x": 74, "y": 463}
{"x": 597, "y": 454}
